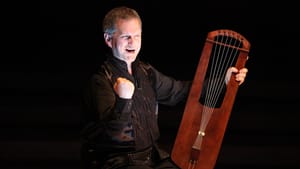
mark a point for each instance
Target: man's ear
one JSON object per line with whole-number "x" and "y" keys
{"x": 107, "y": 38}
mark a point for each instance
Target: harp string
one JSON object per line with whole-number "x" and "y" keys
{"x": 223, "y": 57}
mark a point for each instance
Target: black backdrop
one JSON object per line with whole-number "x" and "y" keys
{"x": 55, "y": 49}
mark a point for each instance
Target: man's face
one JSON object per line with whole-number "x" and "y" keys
{"x": 126, "y": 40}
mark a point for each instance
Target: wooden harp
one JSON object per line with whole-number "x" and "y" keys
{"x": 210, "y": 101}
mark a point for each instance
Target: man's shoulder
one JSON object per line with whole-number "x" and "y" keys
{"x": 145, "y": 65}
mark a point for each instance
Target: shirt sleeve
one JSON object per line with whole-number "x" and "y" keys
{"x": 169, "y": 90}
{"x": 104, "y": 107}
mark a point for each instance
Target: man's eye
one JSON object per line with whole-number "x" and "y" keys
{"x": 125, "y": 37}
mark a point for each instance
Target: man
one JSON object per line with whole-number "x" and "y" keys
{"x": 121, "y": 101}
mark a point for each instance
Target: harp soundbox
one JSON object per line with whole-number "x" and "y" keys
{"x": 210, "y": 101}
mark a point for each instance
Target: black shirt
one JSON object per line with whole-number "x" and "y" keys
{"x": 115, "y": 124}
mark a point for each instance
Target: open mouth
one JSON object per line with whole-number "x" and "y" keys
{"x": 130, "y": 50}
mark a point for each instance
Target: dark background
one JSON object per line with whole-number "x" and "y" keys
{"x": 56, "y": 45}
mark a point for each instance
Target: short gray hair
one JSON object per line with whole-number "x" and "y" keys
{"x": 116, "y": 14}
